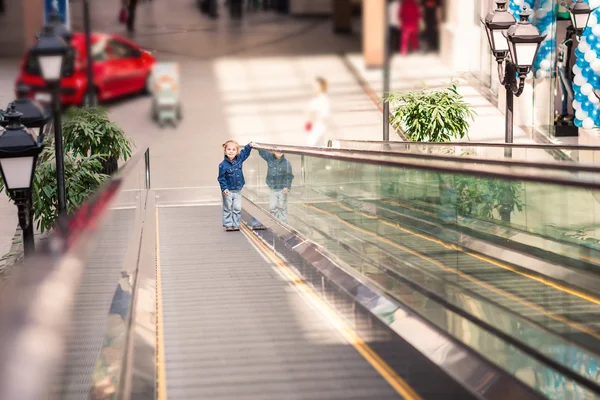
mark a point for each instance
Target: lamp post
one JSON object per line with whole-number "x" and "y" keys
{"x": 90, "y": 95}
{"x": 514, "y": 45}
{"x": 51, "y": 51}
{"x": 19, "y": 150}
{"x": 386, "y": 74}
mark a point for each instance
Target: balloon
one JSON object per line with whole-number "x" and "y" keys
{"x": 595, "y": 65}
{"x": 577, "y": 68}
{"x": 590, "y": 56}
{"x": 586, "y": 88}
{"x": 594, "y": 81}
{"x": 593, "y": 99}
{"x": 588, "y": 123}
{"x": 594, "y": 3}
{"x": 578, "y": 122}
{"x": 580, "y": 62}
{"x": 576, "y": 104}
{"x": 594, "y": 114}
{"x": 596, "y": 29}
{"x": 587, "y": 106}
{"x": 580, "y": 114}
{"x": 591, "y": 39}
{"x": 540, "y": 74}
{"x": 587, "y": 72}
{"x": 593, "y": 20}
{"x": 579, "y": 80}
{"x": 583, "y": 47}
{"x": 545, "y": 64}
{"x": 578, "y": 52}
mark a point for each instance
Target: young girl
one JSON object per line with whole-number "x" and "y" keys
{"x": 231, "y": 179}
{"x": 318, "y": 112}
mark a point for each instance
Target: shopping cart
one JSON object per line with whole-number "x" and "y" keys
{"x": 166, "y": 106}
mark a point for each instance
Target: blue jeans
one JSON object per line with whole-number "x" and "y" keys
{"x": 232, "y": 206}
{"x": 278, "y": 205}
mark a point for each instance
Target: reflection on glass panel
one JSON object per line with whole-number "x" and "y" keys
{"x": 398, "y": 224}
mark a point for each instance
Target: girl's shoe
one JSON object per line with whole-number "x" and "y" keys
{"x": 235, "y": 228}
{"x": 229, "y": 228}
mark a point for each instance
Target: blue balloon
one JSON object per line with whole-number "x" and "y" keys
{"x": 579, "y": 53}
{"x": 595, "y": 81}
{"x": 581, "y": 63}
{"x": 587, "y": 106}
{"x": 580, "y": 97}
{"x": 591, "y": 38}
{"x": 594, "y": 113}
{"x": 578, "y": 122}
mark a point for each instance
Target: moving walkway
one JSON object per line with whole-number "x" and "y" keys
{"x": 393, "y": 277}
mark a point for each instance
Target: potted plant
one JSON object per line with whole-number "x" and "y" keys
{"x": 88, "y": 131}
{"x": 437, "y": 115}
{"x": 442, "y": 115}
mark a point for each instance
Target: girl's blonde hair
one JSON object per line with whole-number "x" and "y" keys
{"x": 323, "y": 85}
{"x": 231, "y": 141}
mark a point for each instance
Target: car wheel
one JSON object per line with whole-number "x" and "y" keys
{"x": 148, "y": 87}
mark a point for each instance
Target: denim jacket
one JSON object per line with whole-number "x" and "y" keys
{"x": 279, "y": 171}
{"x": 231, "y": 175}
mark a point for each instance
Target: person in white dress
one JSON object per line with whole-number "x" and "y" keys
{"x": 318, "y": 114}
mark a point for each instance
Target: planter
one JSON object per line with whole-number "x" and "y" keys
{"x": 110, "y": 166}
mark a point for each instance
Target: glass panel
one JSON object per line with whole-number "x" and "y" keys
{"x": 525, "y": 53}
{"x": 17, "y": 171}
{"x": 500, "y": 41}
{"x": 398, "y": 224}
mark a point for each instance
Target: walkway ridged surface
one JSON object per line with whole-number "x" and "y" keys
{"x": 234, "y": 329}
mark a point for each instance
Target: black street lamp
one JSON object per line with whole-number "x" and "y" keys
{"x": 580, "y": 14}
{"x": 35, "y": 116}
{"x": 514, "y": 46}
{"x": 51, "y": 51}
{"x": 19, "y": 150}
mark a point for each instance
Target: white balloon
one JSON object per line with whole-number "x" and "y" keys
{"x": 577, "y": 69}
{"x": 588, "y": 123}
{"x": 540, "y": 74}
{"x": 580, "y": 114}
{"x": 540, "y": 13}
{"x": 595, "y": 65}
{"x": 593, "y": 99}
{"x": 545, "y": 64}
{"x": 579, "y": 80}
{"x": 594, "y": 3}
{"x": 592, "y": 21}
{"x": 590, "y": 56}
{"x": 596, "y": 29}
{"x": 583, "y": 47}
{"x": 576, "y": 105}
{"x": 586, "y": 89}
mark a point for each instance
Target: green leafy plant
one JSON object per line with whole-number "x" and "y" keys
{"x": 437, "y": 115}
{"x": 82, "y": 177}
{"x": 487, "y": 198}
{"x": 89, "y": 131}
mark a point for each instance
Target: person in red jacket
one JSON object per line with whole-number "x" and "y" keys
{"x": 410, "y": 16}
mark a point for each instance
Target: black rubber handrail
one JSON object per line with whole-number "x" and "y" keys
{"x": 503, "y": 169}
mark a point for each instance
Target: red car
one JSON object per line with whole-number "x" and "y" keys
{"x": 120, "y": 68}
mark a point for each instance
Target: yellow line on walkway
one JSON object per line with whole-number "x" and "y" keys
{"x": 394, "y": 380}
{"x": 443, "y": 267}
{"x": 161, "y": 373}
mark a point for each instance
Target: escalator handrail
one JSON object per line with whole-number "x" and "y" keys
{"x": 35, "y": 304}
{"x": 476, "y": 144}
{"x": 473, "y": 167}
